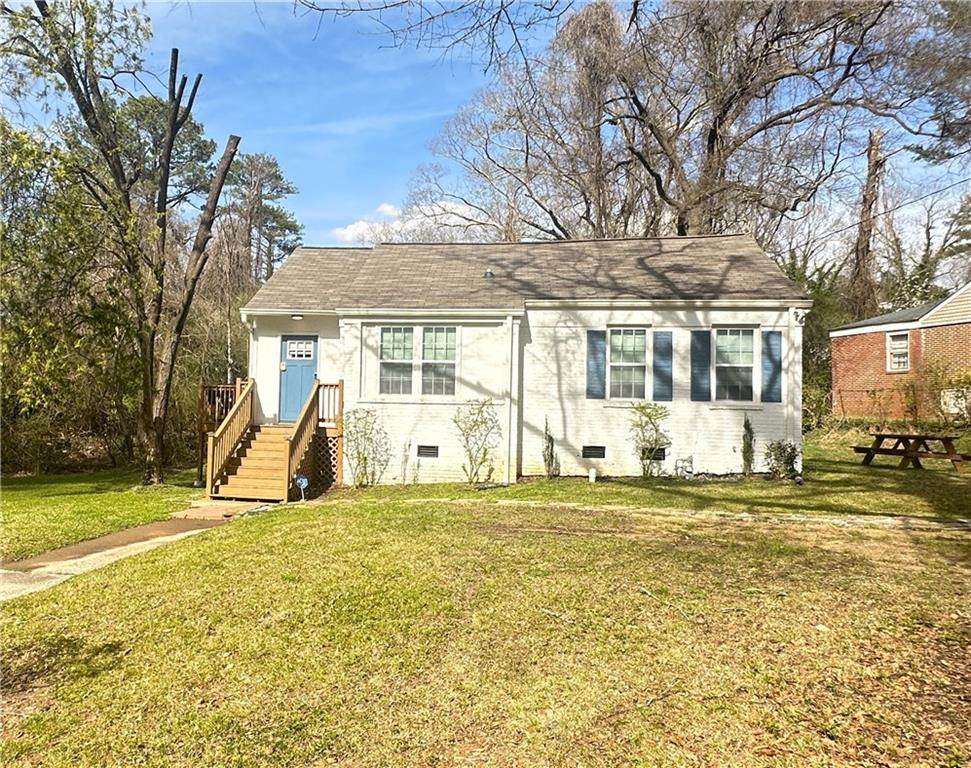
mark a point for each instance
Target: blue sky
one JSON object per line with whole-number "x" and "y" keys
{"x": 348, "y": 117}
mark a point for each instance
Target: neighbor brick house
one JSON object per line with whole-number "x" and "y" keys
{"x": 891, "y": 366}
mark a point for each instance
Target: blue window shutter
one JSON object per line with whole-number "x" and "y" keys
{"x": 771, "y": 366}
{"x": 663, "y": 389}
{"x": 596, "y": 365}
{"x": 701, "y": 365}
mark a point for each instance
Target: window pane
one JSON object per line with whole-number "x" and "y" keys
{"x": 899, "y": 349}
{"x": 733, "y": 346}
{"x": 628, "y": 345}
{"x": 438, "y": 344}
{"x": 733, "y": 383}
{"x": 627, "y": 381}
{"x": 438, "y": 378}
{"x": 395, "y": 379}
{"x": 397, "y": 343}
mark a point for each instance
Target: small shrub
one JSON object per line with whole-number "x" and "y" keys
{"x": 782, "y": 459}
{"x": 551, "y": 460}
{"x": 479, "y": 431}
{"x": 366, "y": 446}
{"x": 649, "y": 437}
{"x": 748, "y": 447}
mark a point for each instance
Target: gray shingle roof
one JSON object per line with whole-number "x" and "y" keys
{"x": 452, "y": 275}
{"x": 911, "y": 315}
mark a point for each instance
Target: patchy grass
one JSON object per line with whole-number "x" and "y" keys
{"x": 50, "y": 511}
{"x": 374, "y": 630}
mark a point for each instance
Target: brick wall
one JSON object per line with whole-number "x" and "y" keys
{"x": 862, "y": 386}
{"x": 949, "y": 345}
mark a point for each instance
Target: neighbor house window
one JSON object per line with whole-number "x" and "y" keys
{"x": 397, "y": 352}
{"x": 734, "y": 359}
{"x": 628, "y": 362}
{"x": 898, "y": 351}
{"x": 438, "y": 361}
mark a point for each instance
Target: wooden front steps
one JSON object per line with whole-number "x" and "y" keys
{"x": 256, "y": 471}
{"x": 255, "y": 462}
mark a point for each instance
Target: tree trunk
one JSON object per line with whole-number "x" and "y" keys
{"x": 162, "y": 385}
{"x": 863, "y": 287}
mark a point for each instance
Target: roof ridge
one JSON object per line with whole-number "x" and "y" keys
{"x": 565, "y": 241}
{"x": 334, "y": 248}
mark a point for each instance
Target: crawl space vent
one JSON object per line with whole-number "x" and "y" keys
{"x": 594, "y": 452}
{"x": 428, "y": 451}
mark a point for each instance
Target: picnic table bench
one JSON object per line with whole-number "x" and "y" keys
{"x": 911, "y": 448}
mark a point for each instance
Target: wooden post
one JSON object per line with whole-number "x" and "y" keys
{"x": 339, "y": 423}
{"x": 201, "y": 437}
{"x": 286, "y": 474}
{"x": 210, "y": 459}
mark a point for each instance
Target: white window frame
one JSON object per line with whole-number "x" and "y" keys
{"x": 423, "y": 361}
{"x": 889, "y": 358}
{"x": 300, "y": 349}
{"x": 410, "y": 361}
{"x": 612, "y": 365}
{"x": 416, "y": 361}
{"x": 756, "y": 364}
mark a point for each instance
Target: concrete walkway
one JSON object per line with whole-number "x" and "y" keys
{"x": 39, "y": 572}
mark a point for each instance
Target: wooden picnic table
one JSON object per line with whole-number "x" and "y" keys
{"x": 911, "y": 448}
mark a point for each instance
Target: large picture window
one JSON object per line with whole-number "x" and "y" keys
{"x": 734, "y": 360}
{"x": 438, "y": 361}
{"x": 628, "y": 362}
{"x": 397, "y": 353}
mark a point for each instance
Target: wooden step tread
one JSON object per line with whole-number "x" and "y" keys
{"x": 263, "y": 473}
{"x": 262, "y": 460}
{"x": 249, "y": 495}
{"x": 269, "y": 449}
{"x": 269, "y": 490}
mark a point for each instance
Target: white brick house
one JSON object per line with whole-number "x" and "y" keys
{"x": 566, "y": 333}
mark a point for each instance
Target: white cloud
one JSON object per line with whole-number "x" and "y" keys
{"x": 386, "y": 219}
{"x": 435, "y": 222}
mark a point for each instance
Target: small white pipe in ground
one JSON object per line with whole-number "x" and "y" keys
{"x": 592, "y": 474}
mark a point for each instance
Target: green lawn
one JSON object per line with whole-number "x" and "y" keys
{"x": 836, "y": 483}
{"x": 435, "y": 626}
{"x": 45, "y": 512}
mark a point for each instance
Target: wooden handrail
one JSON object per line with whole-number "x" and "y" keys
{"x": 300, "y": 437}
{"x": 226, "y": 437}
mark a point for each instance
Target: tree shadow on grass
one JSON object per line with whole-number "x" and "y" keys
{"x": 830, "y": 488}
{"x": 29, "y": 665}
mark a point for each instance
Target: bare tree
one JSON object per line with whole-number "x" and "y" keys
{"x": 923, "y": 256}
{"x": 74, "y": 46}
{"x": 863, "y": 287}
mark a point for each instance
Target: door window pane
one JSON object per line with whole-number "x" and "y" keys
{"x": 300, "y": 349}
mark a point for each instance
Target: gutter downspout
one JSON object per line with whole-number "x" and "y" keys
{"x": 512, "y": 403}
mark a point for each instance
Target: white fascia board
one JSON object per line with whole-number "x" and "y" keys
{"x": 685, "y": 303}
{"x": 885, "y": 328}
{"x": 390, "y": 312}
{"x": 245, "y": 313}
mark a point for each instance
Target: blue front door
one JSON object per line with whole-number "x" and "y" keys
{"x": 298, "y": 366}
